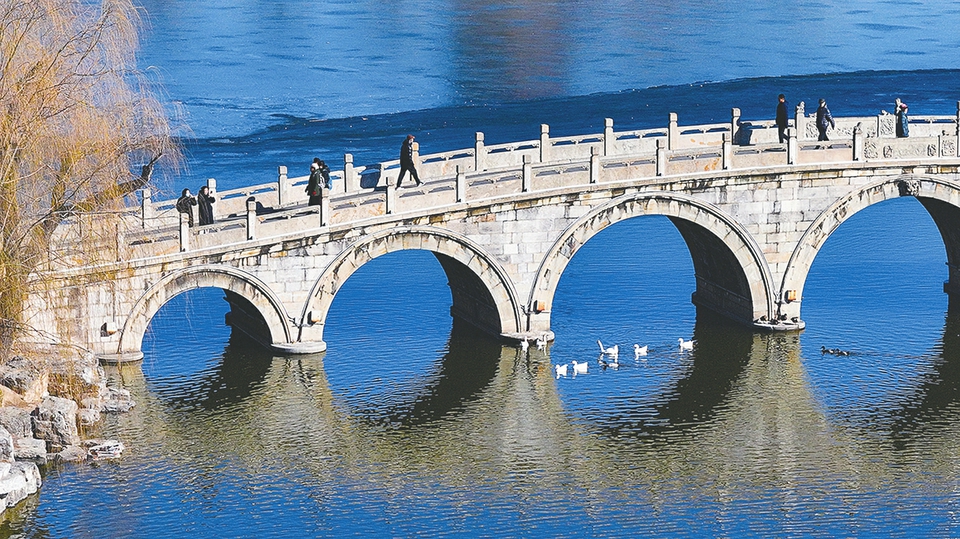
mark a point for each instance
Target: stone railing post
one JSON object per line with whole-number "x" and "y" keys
{"x": 608, "y": 137}
{"x": 793, "y": 145}
{"x": 146, "y": 207}
{"x": 416, "y": 154}
{"x": 351, "y": 181}
{"x": 121, "y": 242}
{"x": 727, "y": 151}
{"x": 461, "y": 186}
{"x": 800, "y": 120}
{"x": 879, "y": 125}
{"x": 527, "y": 174}
{"x": 479, "y": 154}
{"x": 324, "y": 207}
{"x": 281, "y": 185}
{"x": 391, "y": 197}
{"x": 673, "y": 132}
{"x": 212, "y": 187}
{"x": 594, "y": 164}
{"x": 251, "y": 218}
{"x": 544, "y": 143}
{"x": 661, "y": 158}
{"x": 858, "y": 143}
{"x": 958, "y": 123}
{"x": 184, "y": 232}
{"x": 734, "y": 125}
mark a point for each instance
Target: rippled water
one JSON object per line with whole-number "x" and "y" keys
{"x": 412, "y": 425}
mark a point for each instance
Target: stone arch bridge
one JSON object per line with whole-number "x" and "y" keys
{"x": 505, "y": 220}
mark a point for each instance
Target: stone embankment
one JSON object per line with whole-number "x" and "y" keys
{"x": 50, "y": 400}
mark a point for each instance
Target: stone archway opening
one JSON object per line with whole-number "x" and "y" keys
{"x": 940, "y": 198}
{"x": 255, "y": 309}
{"x": 482, "y": 293}
{"x": 732, "y": 275}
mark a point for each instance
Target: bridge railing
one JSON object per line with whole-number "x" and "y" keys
{"x": 364, "y": 191}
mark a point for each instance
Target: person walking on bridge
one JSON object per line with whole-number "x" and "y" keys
{"x": 406, "y": 161}
{"x": 782, "y": 118}
{"x": 824, "y": 119}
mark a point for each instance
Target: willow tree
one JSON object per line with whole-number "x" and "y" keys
{"x": 76, "y": 118}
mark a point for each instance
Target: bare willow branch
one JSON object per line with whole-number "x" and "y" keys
{"x": 76, "y": 119}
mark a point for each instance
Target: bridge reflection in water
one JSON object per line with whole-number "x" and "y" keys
{"x": 489, "y": 429}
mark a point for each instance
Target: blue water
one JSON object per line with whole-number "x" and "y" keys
{"x": 410, "y": 425}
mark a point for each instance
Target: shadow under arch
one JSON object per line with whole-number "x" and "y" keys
{"x": 242, "y": 289}
{"x": 723, "y": 350}
{"x": 733, "y": 277}
{"x": 941, "y": 199}
{"x": 483, "y": 294}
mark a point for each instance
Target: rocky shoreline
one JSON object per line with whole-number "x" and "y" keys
{"x": 51, "y": 398}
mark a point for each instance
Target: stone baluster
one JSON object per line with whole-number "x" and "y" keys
{"x": 281, "y": 185}
{"x": 479, "y": 154}
{"x": 146, "y": 207}
{"x": 251, "y": 218}
{"x": 391, "y": 196}
{"x": 608, "y": 137}
{"x": 735, "y": 125}
{"x": 793, "y": 146}
{"x": 212, "y": 188}
{"x": 324, "y": 207}
{"x": 800, "y": 120}
{"x": 858, "y": 143}
{"x": 957, "y": 121}
{"x": 673, "y": 132}
{"x": 544, "y": 143}
{"x": 661, "y": 158}
{"x": 351, "y": 181}
{"x": 594, "y": 164}
{"x": 727, "y": 151}
{"x": 879, "y": 125}
{"x": 461, "y": 186}
{"x": 527, "y": 174}
{"x": 121, "y": 242}
{"x": 184, "y": 232}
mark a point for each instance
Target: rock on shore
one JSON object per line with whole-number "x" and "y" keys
{"x": 45, "y": 407}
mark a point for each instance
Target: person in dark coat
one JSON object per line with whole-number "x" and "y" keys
{"x": 782, "y": 118}
{"x": 406, "y": 161}
{"x": 903, "y": 123}
{"x": 315, "y": 183}
{"x": 205, "y": 205}
{"x": 324, "y": 173}
{"x": 824, "y": 119}
{"x": 184, "y": 204}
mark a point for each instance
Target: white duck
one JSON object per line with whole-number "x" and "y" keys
{"x": 561, "y": 370}
{"x": 524, "y": 345}
{"x": 613, "y": 351}
{"x": 685, "y": 345}
{"x": 542, "y": 343}
{"x": 579, "y": 368}
{"x": 640, "y": 350}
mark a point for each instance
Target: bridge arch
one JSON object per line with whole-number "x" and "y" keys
{"x": 483, "y": 293}
{"x": 232, "y": 280}
{"x": 733, "y": 276}
{"x": 941, "y": 199}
